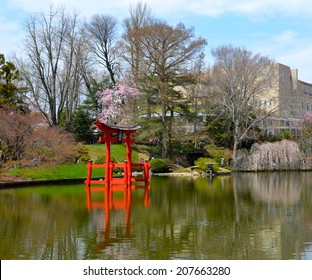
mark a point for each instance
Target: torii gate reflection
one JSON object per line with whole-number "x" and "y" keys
{"x": 110, "y": 203}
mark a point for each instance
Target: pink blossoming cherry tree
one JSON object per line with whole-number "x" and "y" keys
{"x": 118, "y": 103}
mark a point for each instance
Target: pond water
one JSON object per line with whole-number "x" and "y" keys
{"x": 262, "y": 216}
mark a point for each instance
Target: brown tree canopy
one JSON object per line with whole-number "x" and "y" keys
{"x": 166, "y": 54}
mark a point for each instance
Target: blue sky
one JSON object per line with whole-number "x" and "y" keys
{"x": 279, "y": 29}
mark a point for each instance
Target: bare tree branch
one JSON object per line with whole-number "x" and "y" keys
{"x": 55, "y": 48}
{"x": 241, "y": 78}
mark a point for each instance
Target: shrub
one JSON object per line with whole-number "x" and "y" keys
{"x": 217, "y": 153}
{"x": 82, "y": 126}
{"x": 167, "y": 161}
{"x": 287, "y": 135}
{"x": 52, "y": 145}
{"x": 100, "y": 159}
{"x": 23, "y": 137}
{"x": 159, "y": 165}
{"x": 23, "y": 163}
{"x": 15, "y": 130}
{"x": 202, "y": 163}
{"x": 83, "y": 152}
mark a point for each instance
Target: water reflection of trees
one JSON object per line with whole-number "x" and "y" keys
{"x": 52, "y": 225}
{"x": 281, "y": 203}
{"x": 234, "y": 217}
{"x": 216, "y": 220}
{"x": 39, "y": 226}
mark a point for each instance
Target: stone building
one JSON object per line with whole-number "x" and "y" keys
{"x": 289, "y": 98}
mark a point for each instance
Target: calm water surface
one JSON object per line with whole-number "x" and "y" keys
{"x": 243, "y": 216}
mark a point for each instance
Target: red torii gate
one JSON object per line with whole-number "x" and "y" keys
{"x": 115, "y": 134}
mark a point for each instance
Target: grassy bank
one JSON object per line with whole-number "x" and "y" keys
{"x": 73, "y": 171}
{"x": 55, "y": 172}
{"x": 118, "y": 152}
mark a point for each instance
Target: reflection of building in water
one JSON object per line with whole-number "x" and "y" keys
{"x": 271, "y": 187}
{"x": 273, "y": 210}
{"x": 109, "y": 233}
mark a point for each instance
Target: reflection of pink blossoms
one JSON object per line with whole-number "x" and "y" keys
{"x": 115, "y": 101}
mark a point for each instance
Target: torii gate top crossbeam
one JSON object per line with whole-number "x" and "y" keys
{"x": 114, "y": 129}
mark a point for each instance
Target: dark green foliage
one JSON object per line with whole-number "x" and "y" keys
{"x": 217, "y": 153}
{"x": 11, "y": 97}
{"x": 160, "y": 165}
{"x": 91, "y": 103}
{"x": 150, "y": 132}
{"x": 83, "y": 152}
{"x": 287, "y": 135}
{"x": 82, "y": 126}
{"x": 86, "y": 115}
{"x": 265, "y": 137}
{"x": 220, "y": 131}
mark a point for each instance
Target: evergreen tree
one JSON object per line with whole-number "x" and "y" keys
{"x": 86, "y": 115}
{"x": 10, "y": 94}
{"x": 82, "y": 126}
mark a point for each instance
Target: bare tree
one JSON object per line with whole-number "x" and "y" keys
{"x": 102, "y": 31}
{"x": 140, "y": 16}
{"x": 55, "y": 49}
{"x": 165, "y": 54}
{"x": 240, "y": 78}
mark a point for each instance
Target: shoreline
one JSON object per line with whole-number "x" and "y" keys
{"x": 22, "y": 182}
{"x": 26, "y": 183}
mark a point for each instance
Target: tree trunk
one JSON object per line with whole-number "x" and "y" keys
{"x": 164, "y": 151}
{"x": 235, "y": 146}
{"x": 236, "y": 140}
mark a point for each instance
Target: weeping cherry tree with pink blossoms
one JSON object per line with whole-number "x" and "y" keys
{"x": 118, "y": 103}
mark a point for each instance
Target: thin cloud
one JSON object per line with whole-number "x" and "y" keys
{"x": 289, "y": 46}
{"x": 290, "y": 8}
